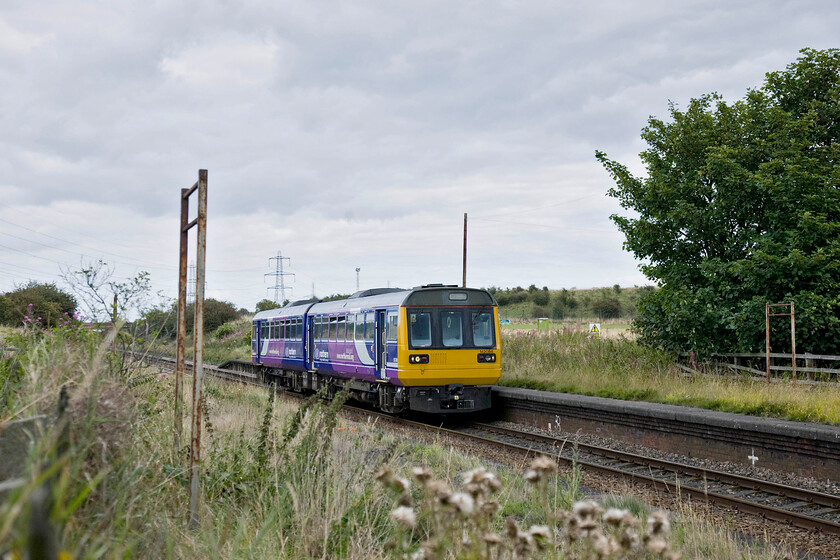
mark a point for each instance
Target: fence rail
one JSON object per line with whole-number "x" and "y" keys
{"x": 742, "y": 361}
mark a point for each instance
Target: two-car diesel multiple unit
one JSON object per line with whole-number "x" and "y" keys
{"x": 432, "y": 349}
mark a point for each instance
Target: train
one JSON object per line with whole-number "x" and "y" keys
{"x": 433, "y": 349}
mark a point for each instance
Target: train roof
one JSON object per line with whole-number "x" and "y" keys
{"x": 423, "y": 296}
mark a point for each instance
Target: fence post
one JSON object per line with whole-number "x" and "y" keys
{"x": 793, "y": 341}
{"x": 767, "y": 337}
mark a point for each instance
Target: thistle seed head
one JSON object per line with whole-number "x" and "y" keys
{"x": 464, "y": 503}
{"x": 658, "y": 524}
{"x": 404, "y": 516}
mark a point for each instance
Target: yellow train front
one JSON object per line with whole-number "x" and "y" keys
{"x": 448, "y": 349}
{"x": 434, "y": 349}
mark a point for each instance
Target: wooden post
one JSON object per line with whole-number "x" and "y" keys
{"x": 793, "y": 341}
{"x": 767, "y": 337}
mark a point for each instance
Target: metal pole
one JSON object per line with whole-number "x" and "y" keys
{"x": 767, "y": 336}
{"x": 793, "y": 341}
{"x": 198, "y": 365}
{"x": 182, "y": 318}
{"x": 464, "y": 284}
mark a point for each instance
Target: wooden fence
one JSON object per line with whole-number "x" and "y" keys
{"x": 814, "y": 367}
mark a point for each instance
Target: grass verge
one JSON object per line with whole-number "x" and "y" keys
{"x": 618, "y": 368}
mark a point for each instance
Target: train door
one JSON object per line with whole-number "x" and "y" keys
{"x": 255, "y": 342}
{"x": 309, "y": 337}
{"x": 381, "y": 345}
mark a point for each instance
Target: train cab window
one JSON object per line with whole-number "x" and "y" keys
{"x": 451, "y": 330}
{"x": 419, "y": 329}
{"x": 370, "y": 326}
{"x": 482, "y": 330}
{"x": 392, "y": 325}
{"x": 341, "y": 326}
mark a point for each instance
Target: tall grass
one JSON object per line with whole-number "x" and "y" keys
{"x": 619, "y": 368}
{"x": 277, "y": 479}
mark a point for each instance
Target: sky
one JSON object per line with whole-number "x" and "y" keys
{"x": 349, "y": 135}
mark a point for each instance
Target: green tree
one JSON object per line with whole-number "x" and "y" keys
{"x": 266, "y": 304}
{"x": 44, "y": 303}
{"x": 741, "y": 206}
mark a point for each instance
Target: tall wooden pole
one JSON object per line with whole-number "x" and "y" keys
{"x": 464, "y": 283}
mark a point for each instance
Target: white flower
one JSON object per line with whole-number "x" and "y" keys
{"x": 405, "y": 516}
{"x": 464, "y": 503}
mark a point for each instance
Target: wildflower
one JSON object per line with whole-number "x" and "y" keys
{"x": 384, "y": 474}
{"x": 531, "y": 476}
{"x": 405, "y": 516}
{"x": 464, "y": 503}
{"x": 421, "y": 474}
{"x": 492, "y": 539}
{"x": 510, "y": 528}
{"x": 440, "y": 491}
{"x": 544, "y": 465}
{"x": 614, "y": 516}
{"x": 658, "y": 524}
{"x": 604, "y": 546}
{"x": 401, "y": 483}
{"x": 541, "y": 535}
{"x": 657, "y": 545}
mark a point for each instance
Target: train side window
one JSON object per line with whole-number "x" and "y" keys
{"x": 360, "y": 326}
{"x": 451, "y": 329}
{"x": 419, "y": 329}
{"x": 341, "y": 326}
{"x": 275, "y": 330}
{"x": 298, "y": 329}
{"x": 370, "y": 326}
{"x": 392, "y": 325}
{"x": 281, "y": 330}
{"x": 264, "y": 328}
{"x": 482, "y": 324}
{"x": 331, "y": 332}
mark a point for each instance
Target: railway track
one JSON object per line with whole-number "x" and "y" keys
{"x": 814, "y": 511}
{"x": 798, "y": 507}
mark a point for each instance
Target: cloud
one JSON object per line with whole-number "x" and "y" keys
{"x": 229, "y": 59}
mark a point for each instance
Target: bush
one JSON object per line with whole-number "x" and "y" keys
{"x": 45, "y": 303}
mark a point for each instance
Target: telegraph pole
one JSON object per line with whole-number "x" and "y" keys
{"x": 279, "y": 277}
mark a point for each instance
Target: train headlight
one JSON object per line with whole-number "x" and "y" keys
{"x": 486, "y": 358}
{"x": 418, "y": 359}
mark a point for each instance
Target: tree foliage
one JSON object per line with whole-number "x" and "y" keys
{"x": 164, "y": 322}
{"x": 44, "y": 303}
{"x": 741, "y": 207}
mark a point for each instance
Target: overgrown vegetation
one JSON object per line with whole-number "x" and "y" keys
{"x": 277, "y": 480}
{"x": 573, "y": 362}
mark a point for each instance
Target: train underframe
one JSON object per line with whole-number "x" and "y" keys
{"x": 454, "y": 398}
